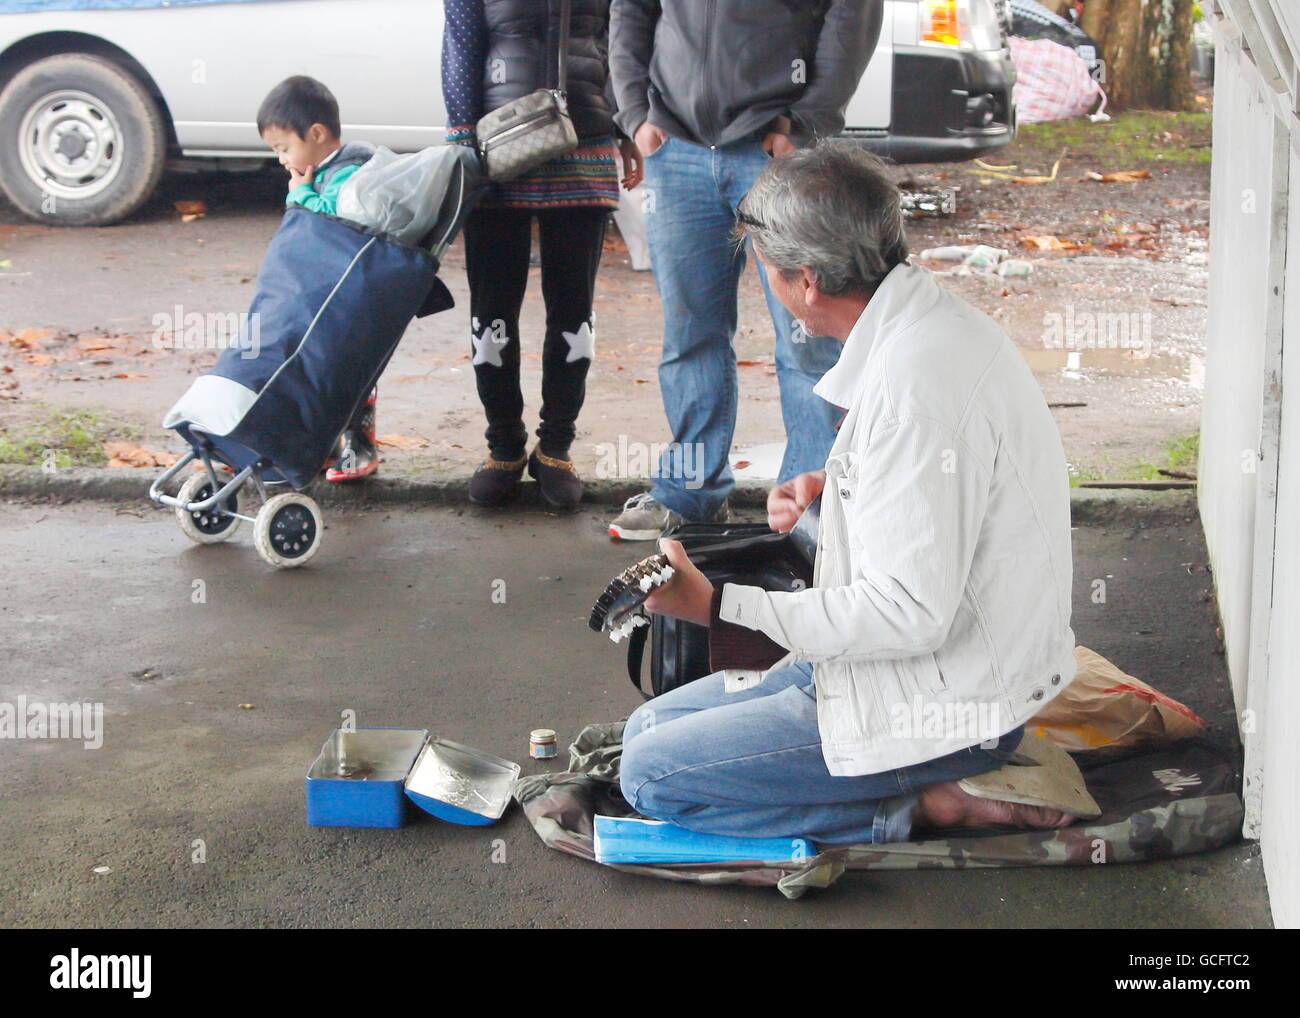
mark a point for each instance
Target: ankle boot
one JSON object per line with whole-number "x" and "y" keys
{"x": 559, "y": 482}
{"x": 496, "y": 481}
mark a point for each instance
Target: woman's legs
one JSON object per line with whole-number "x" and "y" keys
{"x": 497, "y": 244}
{"x": 571, "y": 243}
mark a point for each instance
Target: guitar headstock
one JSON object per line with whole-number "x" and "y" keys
{"x": 618, "y": 610}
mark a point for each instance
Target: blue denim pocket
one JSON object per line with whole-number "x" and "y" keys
{"x": 666, "y": 142}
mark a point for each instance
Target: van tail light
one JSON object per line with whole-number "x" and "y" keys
{"x": 939, "y": 22}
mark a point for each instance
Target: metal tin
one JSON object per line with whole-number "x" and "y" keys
{"x": 369, "y": 778}
{"x": 358, "y": 778}
{"x": 461, "y": 784}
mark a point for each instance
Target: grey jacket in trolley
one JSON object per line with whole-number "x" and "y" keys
{"x": 939, "y": 615}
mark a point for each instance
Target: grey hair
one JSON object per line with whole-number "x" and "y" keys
{"x": 831, "y": 208}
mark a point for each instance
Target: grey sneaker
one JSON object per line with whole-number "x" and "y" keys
{"x": 644, "y": 519}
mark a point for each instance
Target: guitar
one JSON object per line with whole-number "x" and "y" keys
{"x": 619, "y": 611}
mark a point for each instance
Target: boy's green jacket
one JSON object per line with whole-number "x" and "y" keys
{"x": 322, "y": 194}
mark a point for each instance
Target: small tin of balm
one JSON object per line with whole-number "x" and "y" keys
{"x": 541, "y": 743}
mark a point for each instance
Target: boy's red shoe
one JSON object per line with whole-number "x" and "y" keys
{"x": 355, "y": 455}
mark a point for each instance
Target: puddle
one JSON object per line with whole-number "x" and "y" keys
{"x": 1134, "y": 363}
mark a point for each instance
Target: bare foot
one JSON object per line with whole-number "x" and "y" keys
{"x": 947, "y": 805}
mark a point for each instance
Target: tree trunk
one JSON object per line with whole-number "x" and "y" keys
{"x": 1095, "y": 16}
{"x": 1179, "y": 93}
{"x": 1147, "y": 47}
{"x": 1127, "y": 73}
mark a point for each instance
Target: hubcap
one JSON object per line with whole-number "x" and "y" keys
{"x": 70, "y": 145}
{"x": 293, "y": 529}
{"x": 210, "y": 521}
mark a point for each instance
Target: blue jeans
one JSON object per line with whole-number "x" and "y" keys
{"x": 691, "y": 198}
{"x": 749, "y": 764}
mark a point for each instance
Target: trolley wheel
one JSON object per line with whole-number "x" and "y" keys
{"x": 208, "y": 526}
{"x": 288, "y": 530}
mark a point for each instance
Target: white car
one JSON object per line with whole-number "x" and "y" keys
{"x": 97, "y": 95}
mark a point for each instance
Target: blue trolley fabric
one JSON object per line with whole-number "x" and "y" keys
{"x": 333, "y": 300}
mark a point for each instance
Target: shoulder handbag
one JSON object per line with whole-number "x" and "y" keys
{"x": 747, "y": 553}
{"x": 528, "y": 132}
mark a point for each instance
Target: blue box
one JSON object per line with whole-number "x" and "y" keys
{"x": 369, "y": 777}
{"x": 359, "y": 779}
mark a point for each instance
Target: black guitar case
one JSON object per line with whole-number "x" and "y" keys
{"x": 748, "y": 553}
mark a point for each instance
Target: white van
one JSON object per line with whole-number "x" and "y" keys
{"x": 97, "y": 95}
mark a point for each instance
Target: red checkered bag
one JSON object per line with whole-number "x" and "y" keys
{"x": 1052, "y": 82}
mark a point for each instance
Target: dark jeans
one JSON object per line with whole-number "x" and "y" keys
{"x": 497, "y": 246}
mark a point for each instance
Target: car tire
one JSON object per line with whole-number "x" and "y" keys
{"x": 81, "y": 141}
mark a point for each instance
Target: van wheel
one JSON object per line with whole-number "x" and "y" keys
{"x": 81, "y": 142}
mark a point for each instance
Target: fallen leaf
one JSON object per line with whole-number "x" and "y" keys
{"x": 245, "y": 706}
{"x": 190, "y": 210}
{"x": 1045, "y": 242}
{"x": 741, "y": 464}
{"x": 401, "y": 441}
{"x": 987, "y": 172}
{"x": 1119, "y": 176}
{"x": 125, "y": 454}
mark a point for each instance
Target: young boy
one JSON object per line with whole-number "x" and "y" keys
{"x": 299, "y": 120}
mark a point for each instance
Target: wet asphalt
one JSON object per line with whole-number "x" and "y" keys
{"x": 196, "y": 805}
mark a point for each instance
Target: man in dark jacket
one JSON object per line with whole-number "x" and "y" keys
{"x": 711, "y": 90}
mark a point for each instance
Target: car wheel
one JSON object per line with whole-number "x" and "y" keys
{"x": 81, "y": 142}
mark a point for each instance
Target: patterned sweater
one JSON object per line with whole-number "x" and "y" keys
{"x": 587, "y": 176}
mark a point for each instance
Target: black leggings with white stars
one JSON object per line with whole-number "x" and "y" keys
{"x": 498, "y": 242}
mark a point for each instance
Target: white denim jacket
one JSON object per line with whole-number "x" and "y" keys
{"x": 940, "y": 605}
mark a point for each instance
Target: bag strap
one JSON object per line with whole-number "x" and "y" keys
{"x": 562, "y": 57}
{"x": 635, "y": 652}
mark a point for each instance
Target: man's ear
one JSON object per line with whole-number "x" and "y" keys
{"x": 811, "y": 291}
{"x": 317, "y": 133}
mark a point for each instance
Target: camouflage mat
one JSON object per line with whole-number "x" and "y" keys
{"x": 1156, "y": 804}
